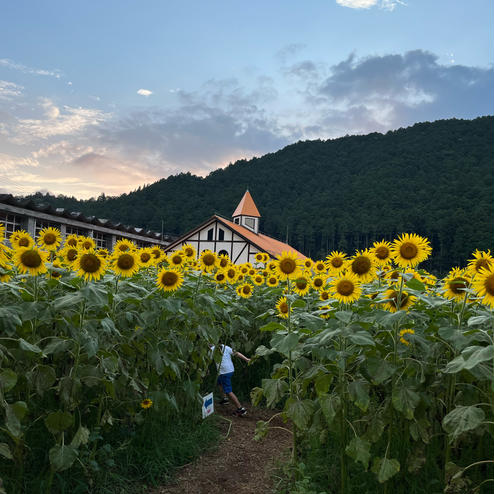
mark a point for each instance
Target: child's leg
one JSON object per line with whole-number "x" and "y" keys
{"x": 232, "y": 397}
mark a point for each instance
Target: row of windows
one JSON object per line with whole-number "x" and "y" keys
{"x": 14, "y": 222}
{"x": 221, "y": 234}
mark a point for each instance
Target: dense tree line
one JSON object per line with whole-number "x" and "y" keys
{"x": 435, "y": 179}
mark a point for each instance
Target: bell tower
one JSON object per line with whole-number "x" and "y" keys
{"x": 247, "y": 214}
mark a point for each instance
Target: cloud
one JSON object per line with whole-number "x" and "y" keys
{"x": 145, "y": 92}
{"x": 10, "y": 64}
{"x": 9, "y": 90}
{"x": 367, "y": 4}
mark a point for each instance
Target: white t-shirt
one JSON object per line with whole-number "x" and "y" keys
{"x": 226, "y": 365}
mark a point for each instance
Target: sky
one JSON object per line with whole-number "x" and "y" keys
{"x": 106, "y": 96}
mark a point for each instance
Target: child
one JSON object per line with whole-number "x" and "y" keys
{"x": 226, "y": 370}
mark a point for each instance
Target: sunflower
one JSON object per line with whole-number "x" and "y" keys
{"x": 252, "y": 272}
{"x": 244, "y": 269}
{"x": 363, "y": 266}
{"x": 301, "y": 285}
{"x": 391, "y": 295}
{"x": 403, "y": 332}
{"x": 382, "y": 252}
{"x": 169, "y": 280}
{"x": 103, "y": 252}
{"x": 324, "y": 295}
{"x": 481, "y": 260}
{"x": 87, "y": 243}
{"x": 319, "y": 281}
{"x": 393, "y": 276}
{"x": 220, "y": 277}
{"x": 72, "y": 240}
{"x": 124, "y": 245}
{"x": 69, "y": 254}
{"x": 89, "y": 265}
{"x": 20, "y": 238}
{"x": 319, "y": 267}
{"x": 327, "y": 314}
{"x": 455, "y": 284}
{"x": 49, "y": 239}
{"x": 223, "y": 261}
{"x": 246, "y": 290}
{"x": 271, "y": 266}
{"x": 146, "y": 403}
{"x": 125, "y": 263}
{"x": 483, "y": 286}
{"x": 283, "y": 308}
{"x": 287, "y": 266}
{"x": 259, "y": 257}
{"x": 176, "y": 259}
{"x": 56, "y": 272}
{"x": 307, "y": 263}
{"x": 258, "y": 279}
{"x": 272, "y": 280}
{"x": 409, "y": 250}
{"x": 336, "y": 262}
{"x": 30, "y": 260}
{"x": 208, "y": 260}
{"x": 157, "y": 254}
{"x": 189, "y": 251}
{"x": 145, "y": 257}
{"x": 231, "y": 274}
{"x": 346, "y": 288}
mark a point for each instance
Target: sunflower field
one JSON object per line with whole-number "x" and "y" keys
{"x": 383, "y": 373}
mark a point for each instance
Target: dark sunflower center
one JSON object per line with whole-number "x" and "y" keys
{"x": 90, "y": 263}
{"x": 246, "y": 289}
{"x": 308, "y": 264}
{"x": 336, "y": 262}
{"x": 325, "y": 295}
{"x": 125, "y": 262}
{"x": 87, "y": 244}
{"x": 24, "y": 242}
{"x": 169, "y": 278}
{"x": 31, "y": 259}
{"x": 318, "y": 282}
{"x": 176, "y": 260}
{"x": 287, "y": 266}
{"x": 489, "y": 285}
{"x": 72, "y": 242}
{"x": 123, "y": 247}
{"x": 361, "y": 265}
{"x": 145, "y": 257}
{"x": 403, "y": 301}
{"x": 231, "y": 273}
{"x": 345, "y": 288}
{"x": 458, "y": 285}
{"x": 408, "y": 250}
{"x": 223, "y": 262}
{"x": 284, "y": 308}
{"x": 394, "y": 275}
{"x": 220, "y": 276}
{"x": 71, "y": 254}
{"x": 272, "y": 281}
{"x": 156, "y": 254}
{"x": 320, "y": 266}
{"x": 301, "y": 283}
{"x": 50, "y": 239}
{"x": 189, "y": 252}
{"x": 208, "y": 260}
{"x": 382, "y": 252}
{"x": 482, "y": 263}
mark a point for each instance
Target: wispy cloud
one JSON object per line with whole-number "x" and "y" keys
{"x": 144, "y": 92}
{"x": 10, "y": 64}
{"x": 9, "y": 90}
{"x": 367, "y": 4}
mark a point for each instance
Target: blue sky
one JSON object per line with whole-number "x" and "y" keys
{"x": 106, "y": 96}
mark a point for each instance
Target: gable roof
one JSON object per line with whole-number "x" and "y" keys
{"x": 264, "y": 243}
{"x": 246, "y": 207}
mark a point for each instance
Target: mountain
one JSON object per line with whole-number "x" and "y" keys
{"x": 435, "y": 179}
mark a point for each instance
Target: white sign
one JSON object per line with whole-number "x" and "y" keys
{"x": 207, "y": 405}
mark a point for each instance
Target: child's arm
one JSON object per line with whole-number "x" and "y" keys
{"x": 243, "y": 357}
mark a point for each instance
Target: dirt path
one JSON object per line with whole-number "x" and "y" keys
{"x": 239, "y": 465}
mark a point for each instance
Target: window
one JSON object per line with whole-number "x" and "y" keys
{"x": 11, "y": 222}
{"x": 101, "y": 240}
{"x": 223, "y": 253}
{"x": 73, "y": 230}
{"x": 250, "y": 222}
{"x": 221, "y": 234}
{"x": 210, "y": 234}
{"x": 236, "y": 220}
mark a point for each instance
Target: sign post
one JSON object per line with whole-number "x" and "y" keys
{"x": 207, "y": 405}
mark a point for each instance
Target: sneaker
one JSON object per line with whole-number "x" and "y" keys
{"x": 240, "y": 412}
{"x": 224, "y": 401}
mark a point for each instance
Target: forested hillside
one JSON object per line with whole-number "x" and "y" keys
{"x": 435, "y": 179}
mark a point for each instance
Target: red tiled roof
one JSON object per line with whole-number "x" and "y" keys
{"x": 263, "y": 242}
{"x": 246, "y": 207}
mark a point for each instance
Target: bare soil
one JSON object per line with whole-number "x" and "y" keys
{"x": 239, "y": 464}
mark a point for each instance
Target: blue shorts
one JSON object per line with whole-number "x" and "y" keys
{"x": 225, "y": 381}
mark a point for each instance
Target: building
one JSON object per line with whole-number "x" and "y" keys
{"x": 24, "y": 214}
{"x": 240, "y": 239}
